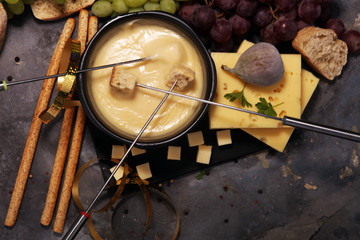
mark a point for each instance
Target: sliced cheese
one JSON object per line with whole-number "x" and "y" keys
{"x": 195, "y": 138}
{"x": 137, "y": 151}
{"x": 144, "y": 171}
{"x": 287, "y": 91}
{"x": 278, "y": 138}
{"x": 119, "y": 173}
{"x": 118, "y": 151}
{"x": 223, "y": 137}
{"x": 204, "y": 154}
{"x": 174, "y": 153}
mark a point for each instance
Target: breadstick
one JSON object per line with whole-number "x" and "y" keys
{"x": 93, "y": 27}
{"x": 83, "y": 28}
{"x": 76, "y": 141}
{"x": 58, "y": 167}
{"x": 70, "y": 171}
{"x": 35, "y": 127}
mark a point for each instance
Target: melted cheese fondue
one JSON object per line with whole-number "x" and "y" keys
{"x": 126, "y": 114}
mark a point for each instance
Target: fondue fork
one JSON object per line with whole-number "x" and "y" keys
{"x": 4, "y": 85}
{"x": 286, "y": 120}
{"x": 84, "y": 215}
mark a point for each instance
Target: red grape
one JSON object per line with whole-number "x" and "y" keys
{"x": 266, "y": 1}
{"x": 352, "y": 40}
{"x": 239, "y": 24}
{"x": 300, "y": 24}
{"x": 186, "y": 11}
{"x": 221, "y": 31}
{"x": 309, "y": 11}
{"x": 292, "y": 14}
{"x": 285, "y": 5}
{"x": 203, "y": 18}
{"x": 268, "y": 35}
{"x": 224, "y": 46}
{"x": 246, "y": 8}
{"x": 335, "y": 24}
{"x": 226, "y": 4}
{"x": 325, "y": 2}
{"x": 285, "y": 29}
{"x": 326, "y": 12}
{"x": 262, "y": 17}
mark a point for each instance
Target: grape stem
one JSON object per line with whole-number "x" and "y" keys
{"x": 209, "y": 2}
{"x": 273, "y": 13}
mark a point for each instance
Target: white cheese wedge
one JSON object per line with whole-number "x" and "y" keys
{"x": 144, "y": 171}
{"x": 137, "y": 151}
{"x": 204, "y": 154}
{"x": 195, "y": 138}
{"x": 287, "y": 91}
{"x": 223, "y": 137}
{"x": 118, "y": 151}
{"x": 119, "y": 173}
{"x": 174, "y": 153}
{"x": 278, "y": 138}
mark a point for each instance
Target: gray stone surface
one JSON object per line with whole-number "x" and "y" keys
{"x": 261, "y": 196}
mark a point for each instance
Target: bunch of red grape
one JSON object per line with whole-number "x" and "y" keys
{"x": 225, "y": 22}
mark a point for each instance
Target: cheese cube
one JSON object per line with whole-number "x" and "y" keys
{"x": 204, "y": 154}
{"x": 144, "y": 171}
{"x": 278, "y": 138}
{"x": 119, "y": 173}
{"x": 287, "y": 91}
{"x": 223, "y": 137}
{"x": 195, "y": 138}
{"x": 118, "y": 151}
{"x": 174, "y": 153}
{"x": 137, "y": 151}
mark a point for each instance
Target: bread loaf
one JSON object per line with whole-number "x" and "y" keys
{"x": 3, "y": 25}
{"x": 322, "y": 50}
{"x": 49, "y": 10}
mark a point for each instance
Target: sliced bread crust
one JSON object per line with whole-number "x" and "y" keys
{"x": 322, "y": 50}
{"x": 49, "y": 10}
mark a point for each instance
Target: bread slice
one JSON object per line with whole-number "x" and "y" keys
{"x": 3, "y": 25}
{"x": 49, "y": 10}
{"x": 322, "y": 50}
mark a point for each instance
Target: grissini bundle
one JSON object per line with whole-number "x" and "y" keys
{"x": 36, "y": 124}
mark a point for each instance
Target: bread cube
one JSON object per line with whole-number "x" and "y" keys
{"x": 122, "y": 80}
{"x": 183, "y": 75}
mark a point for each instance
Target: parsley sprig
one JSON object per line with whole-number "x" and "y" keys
{"x": 200, "y": 175}
{"x": 266, "y": 108}
{"x": 240, "y": 96}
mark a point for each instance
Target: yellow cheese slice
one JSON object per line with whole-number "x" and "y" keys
{"x": 286, "y": 91}
{"x": 278, "y": 138}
